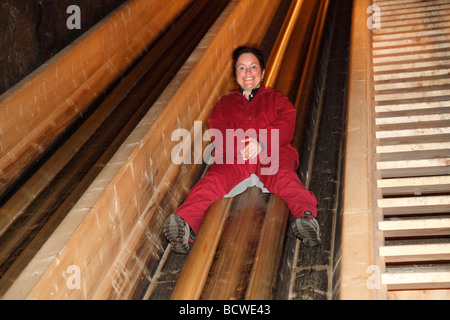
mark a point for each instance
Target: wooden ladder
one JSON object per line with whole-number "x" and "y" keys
{"x": 411, "y": 83}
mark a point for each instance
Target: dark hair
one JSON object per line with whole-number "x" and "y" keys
{"x": 246, "y": 49}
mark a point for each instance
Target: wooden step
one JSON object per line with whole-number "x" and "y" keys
{"x": 411, "y": 48}
{"x": 416, "y": 252}
{"x": 414, "y": 151}
{"x": 415, "y": 227}
{"x": 402, "y": 75}
{"x": 411, "y": 64}
{"x": 415, "y": 185}
{"x": 400, "y": 4}
{"x": 433, "y": 23}
{"x": 415, "y": 205}
{"x": 411, "y": 42}
{"x": 417, "y": 56}
{"x": 407, "y": 65}
{"x": 416, "y": 14}
{"x": 421, "y": 23}
{"x": 413, "y": 135}
{"x": 410, "y": 168}
{"x": 408, "y": 108}
{"x": 416, "y": 280}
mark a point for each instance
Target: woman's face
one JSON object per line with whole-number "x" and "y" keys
{"x": 248, "y": 72}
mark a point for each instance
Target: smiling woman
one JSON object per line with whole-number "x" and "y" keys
{"x": 249, "y": 69}
{"x": 251, "y": 108}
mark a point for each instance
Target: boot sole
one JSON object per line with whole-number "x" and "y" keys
{"x": 174, "y": 230}
{"x": 305, "y": 230}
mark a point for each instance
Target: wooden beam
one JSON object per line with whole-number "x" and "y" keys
{"x": 416, "y": 252}
{"x": 195, "y": 270}
{"x": 408, "y": 168}
{"x": 415, "y": 205}
{"x": 269, "y": 252}
{"x": 414, "y": 151}
{"x": 415, "y": 227}
{"x": 356, "y": 254}
{"x": 433, "y": 294}
{"x": 403, "y": 136}
{"x": 414, "y": 185}
{"x": 416, "y": 280}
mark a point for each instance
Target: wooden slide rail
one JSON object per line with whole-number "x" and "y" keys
{"x": 121, "y": 214}
{"x": 211, "y": 274}
{"x": 35, "y": 112}
{"x": 398, "y": 104}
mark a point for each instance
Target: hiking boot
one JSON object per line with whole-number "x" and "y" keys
{"x": 306, "y": 228}
{"x": 178, "y": 233}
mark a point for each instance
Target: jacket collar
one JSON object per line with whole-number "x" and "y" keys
{"x": 262, "y": 89}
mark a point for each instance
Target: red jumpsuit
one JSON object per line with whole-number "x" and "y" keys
{"x": 267, "y": 110}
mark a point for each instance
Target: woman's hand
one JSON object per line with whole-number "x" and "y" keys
{"x": 252, "y": 148}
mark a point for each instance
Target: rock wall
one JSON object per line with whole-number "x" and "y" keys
{"x": 34, "y": 31}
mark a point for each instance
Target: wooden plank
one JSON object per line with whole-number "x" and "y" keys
{"x": 414, "y": 11}
{"x": 412, "y": 94}
{"x": 416, "y": 252}
{"x": 356, "y": 254}
{"x": 415, "y": 227}
{"x": 431, "y": 24}
{"x": 405, "y": 168}
{"x": 411, "y": 34}
{"x": 415, "y": 185}
{"x": 269, "y": 251}
{"x": 408, "y": 65}
{"x": 418, "y": 135}
{"x": 393, "y": 5}
{"x": 409, "y": 107}
{"x": 395, "y": 2}
{"x": 389, "y": 26}
{"x": 414, "y": 151}
{"x": 196, "y": 268}
{"x": 235, "y": 254}
{"x": 402, "y": 75}
{"x": 412, "y": 48}
{"x": 408, "y": 57}
{"x": 418, "y": 15}
{"x": 416, "y": 280}
{"x": 415, "y": 205}
{"x": 436, "y": 294}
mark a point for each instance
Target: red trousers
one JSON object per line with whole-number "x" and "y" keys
{"x": 222, "y": 178}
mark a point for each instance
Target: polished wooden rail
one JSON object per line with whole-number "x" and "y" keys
{"x": 243, "y": 263}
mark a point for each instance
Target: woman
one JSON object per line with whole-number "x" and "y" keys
{"x": 267, "y": 120}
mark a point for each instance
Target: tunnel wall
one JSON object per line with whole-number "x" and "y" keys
{"x": 34, "y": 31}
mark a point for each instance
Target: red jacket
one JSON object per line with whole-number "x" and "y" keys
{"x": 269, "y": 110}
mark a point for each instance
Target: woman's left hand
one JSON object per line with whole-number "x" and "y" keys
{"x": 252, "y": 148}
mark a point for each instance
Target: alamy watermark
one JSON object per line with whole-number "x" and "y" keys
{"x": 222, "y": 149}
{"x": 74, "y": 20}
{"x": 374, "y": 21}
{"x": 374, "y": 280}
{"x": 73, "y": 277}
